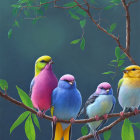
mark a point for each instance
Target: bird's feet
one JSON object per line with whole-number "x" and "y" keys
{"x": 105, "y": 116}
{"x": 96, "y": 118}
{"x": 121, "y": 114}
{"x": 136, "y": 111}
{"x": 54, "y": 119}
{"x": 40, "y": 114}
{"x": 72, "y": 120}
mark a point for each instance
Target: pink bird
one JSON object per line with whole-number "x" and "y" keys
{"x": 43, "y": 84}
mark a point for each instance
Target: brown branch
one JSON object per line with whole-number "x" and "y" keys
{"x": 126, "y": 115}
{"x": 126, "y": 51}
{"x": 106, "y": 128}
{"x": 12, "y": 100}
{"x": 126, "y": 7}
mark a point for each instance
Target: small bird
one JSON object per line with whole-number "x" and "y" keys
{"x": 129, "y": 89}
{"x": 66, "y": 104}
{"x": 100, "y": 103}
{"x": 42, "y": 85}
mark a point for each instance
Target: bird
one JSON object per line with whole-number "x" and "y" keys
{"x": 66, "y": 104}
{"x": 129, "y": 89}
{"x": 100, "y": 103}
{"x": 42, "y": 84}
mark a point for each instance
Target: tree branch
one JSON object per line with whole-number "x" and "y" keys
{"x": 106, "y": 128}
{"x": 126, "y": 7}
{"x": 126, "y": 115}
{"x": 126, "y": 51}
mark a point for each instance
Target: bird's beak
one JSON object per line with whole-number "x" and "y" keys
{"x": 107, "y": 90}
{"x": 51, "y": 62}
{"x": 125, "y": 71}
{"x": 71, "y": 82}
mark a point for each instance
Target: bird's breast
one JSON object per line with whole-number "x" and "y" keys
{"x": 102, "y": 105}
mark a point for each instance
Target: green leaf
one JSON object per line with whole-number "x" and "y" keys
{"x": 3, "y": 84}
{"x": 81, "y": 12}
{"x": 108, "y": 72}
{"x": 16, "y": 6}
{"x": 112, "y": 27}
{"x": 123, "y": 56}
{"x": 23, "y": 1}
{"x": 10, "y": 33}
{"x": 75, "y": 41}
{"x": 26, "y": 13}
{"x": 117, "y": 53}
{"x": 20, "y": 119}
{"x": 71, "y": 4}
{"x": 36, "y": 121}
{"x": 93, "y": 1}
{"x": 73, "y": 15}
{"x": 137, "y": 125}
{"x": 16, "y": 23}
{"x": 82, "y": 23}
{"x": 107, "y": 135}
{"x": 114, "y": 61}
{"x": 108, "y": 7}
{"x": 127, "y": 131}
{"x": 122, "y": 69}
{"x": 82, "y": 45}
{"x": 116, "y": 2}
{"x": 24, "y": 97}
{"x": 29, "y": 129}
{"x": 111, "y": 65}
{"x": 42, "y": 1}
{"x": 120, "y": 62}
{"x": 84, "y": 130}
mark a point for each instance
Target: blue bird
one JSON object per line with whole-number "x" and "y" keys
{"x": 66, "y": 104}
{"x": 100, "y": 103}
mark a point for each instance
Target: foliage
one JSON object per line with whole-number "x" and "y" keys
{"x": 107, "y": 135}
{"x": 127, "y": 131}
{"x": 3, "y": 84}
{"x": 84, "y": 130}
{"x": 117, "y": 63}
{"x": 26, "y": 116}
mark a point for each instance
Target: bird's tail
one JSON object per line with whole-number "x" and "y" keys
{"x": 96, "y": 136}
{"x": 59, "y": 133}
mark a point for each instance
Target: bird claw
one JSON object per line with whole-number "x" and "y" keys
{"x": 136, "y": 111}
{"x": 40, "y": 114}
{"x": 105, "y": 116}
{"x": 72, "y": 120}
{"x": 122, "y": 114}
{"x": 54, "y": 119}
{"x": 96, "y": 118}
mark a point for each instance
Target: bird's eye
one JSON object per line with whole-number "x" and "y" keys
{"x": 133, "y": 69}
{"x": 43, "y": 61}
{"x": 101, "y": 88}
{"x": 66, "y": 80}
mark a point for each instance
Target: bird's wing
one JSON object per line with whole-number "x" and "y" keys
{"x": 31, "y": 86}
{"x": 119, "y": 85}
{"x": 104, "y": 121}
{"x": 89, "y": 101}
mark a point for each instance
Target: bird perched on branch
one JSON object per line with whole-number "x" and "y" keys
{"x": 66, "y": 104}
{"x": 100, "y": 103}
{"x": 129, "y": 89}
{"x": 43, "y": 84}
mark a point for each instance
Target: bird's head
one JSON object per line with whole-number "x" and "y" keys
{"x": 67, "y": 81}
{"x": 132, "y": 71}
{"x": 104, "y": 89}
{"x": 41, "y": 63}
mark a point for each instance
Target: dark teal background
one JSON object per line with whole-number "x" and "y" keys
{"x": 52, "y": 36}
